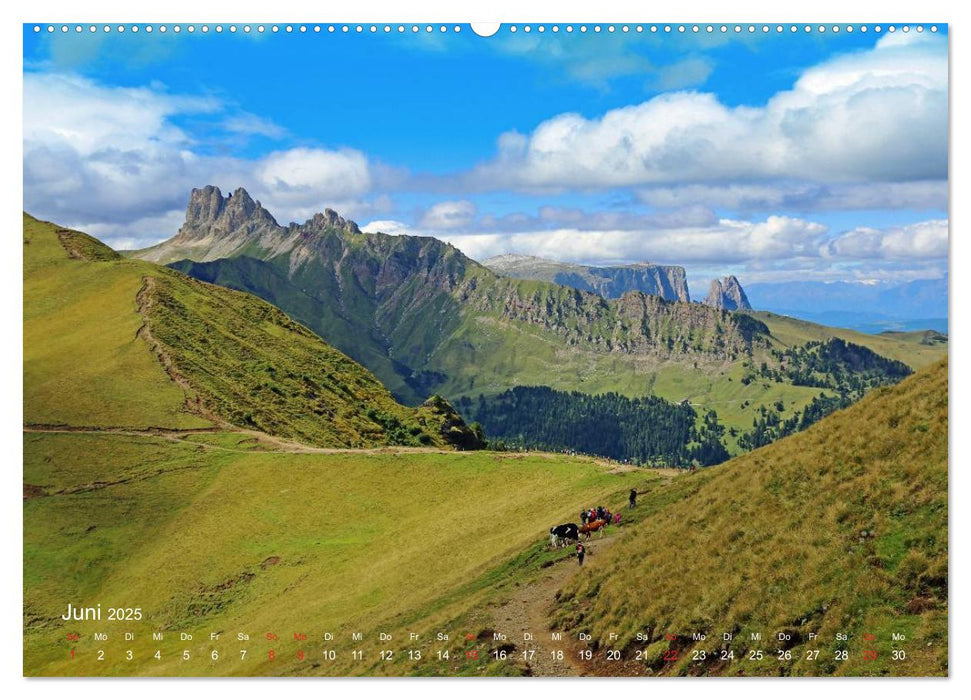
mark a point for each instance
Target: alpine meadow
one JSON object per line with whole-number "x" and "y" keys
{"x": 521, "y": 350}
{"x": 228, "y": 413}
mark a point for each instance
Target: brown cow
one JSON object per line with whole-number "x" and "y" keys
{"x": 594, "y": 526}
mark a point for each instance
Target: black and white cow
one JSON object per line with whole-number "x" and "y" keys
{"x": 568, "y": 531}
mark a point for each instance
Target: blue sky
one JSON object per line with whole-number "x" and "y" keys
{"x": 771, "y": 156}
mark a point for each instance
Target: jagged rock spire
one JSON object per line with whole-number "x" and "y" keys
{"x": 727, "y": 294}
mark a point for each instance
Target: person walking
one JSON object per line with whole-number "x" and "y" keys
{"x": 633, "y": 498}
{"x": 581, "y": 551}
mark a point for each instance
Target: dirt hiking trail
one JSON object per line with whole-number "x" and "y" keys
{"x": 530, "y": 607}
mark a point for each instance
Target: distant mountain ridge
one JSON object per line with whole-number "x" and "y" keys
{"x": 610, "y": 282}
{"x": 869, "y": 307}
{"x": 418, "y": 312}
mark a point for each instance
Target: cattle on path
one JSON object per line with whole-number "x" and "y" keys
{"x": 565, "y": 532}
{"x": 594, "y": 526}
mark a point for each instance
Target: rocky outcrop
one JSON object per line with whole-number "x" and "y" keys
{"x": 727, "y": 294}
{"x": 611, "y": 282}
{"x": 222, "y": 227}
{"x": 437, "y": 411}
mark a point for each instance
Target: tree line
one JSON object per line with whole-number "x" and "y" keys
{"x": 847, "y": 369}
{"x": 644, "y": 431}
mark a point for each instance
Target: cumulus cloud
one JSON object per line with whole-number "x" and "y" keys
{"x": 113, "y": 159}
{"x": 878, "y": 115}
{"x": 138, "y": 233}
{"x": 726, "y": 241}
{"x": 98, "y": 153}
{"x": 922, "y": 240}
{"x": 723, "y": 240}
{"x": 446, "y": 216}
{"x": 297, "y": 171}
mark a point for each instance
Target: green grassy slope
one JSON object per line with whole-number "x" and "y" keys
{"x": 487, "y": 355}
{"x": 211, "y": 539}
{"x": 113, "y": 342}
{"x": 83, "y": 364}
{"x": 916, "y": 349}
{"x": 842, "y": 528}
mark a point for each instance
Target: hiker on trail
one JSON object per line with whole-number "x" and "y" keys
{"x": 583, "y": 516}
{"x": 581, "y": 551}
{"x": 633, "y": 498}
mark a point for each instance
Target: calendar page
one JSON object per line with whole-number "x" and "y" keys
{"x": 532, "y": 350}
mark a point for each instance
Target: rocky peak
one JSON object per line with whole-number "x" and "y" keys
{"x": 331, "y": 219}
{"x": 205, "y": 204}
{"x": 208, "y": 208}
{"x": 727, "y": 294}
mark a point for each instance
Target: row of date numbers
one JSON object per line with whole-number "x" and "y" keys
{"x": 671, "y": 655}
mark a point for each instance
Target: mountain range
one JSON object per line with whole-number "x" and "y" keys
{"x": 867, "y": 307}
{"x": 426, "y": 319}
{"x": 421, "y": 314}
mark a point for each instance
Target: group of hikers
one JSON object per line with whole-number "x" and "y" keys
{"x": 597, "y": 519}
{"x": 592, "y": 515}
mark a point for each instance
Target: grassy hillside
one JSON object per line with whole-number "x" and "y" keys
{"x": 83, "y": 364}
{"x": 111, "y": 342}
{"x": 917, "y": 349}
{"x": 842, "y": 528}
{"x": 225, "y": 538}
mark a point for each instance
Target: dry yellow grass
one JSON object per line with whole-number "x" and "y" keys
{"x": 842, "y": 528}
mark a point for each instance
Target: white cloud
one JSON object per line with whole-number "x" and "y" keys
{"x": 97, "y": 153}
{"x": 91, "y": 118}
{"x": 135, "y": 234}
{"x": 876, "y": 115}
{"x": 724, "y": 241}
{"x": 447, "y": 216}
{"x": 112, "y": 159}
{"x": 775, "y": 248}
{"x": 388, "y": 226}
{"x": 922, "y": 240}
{"x": 299, "y": 172}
